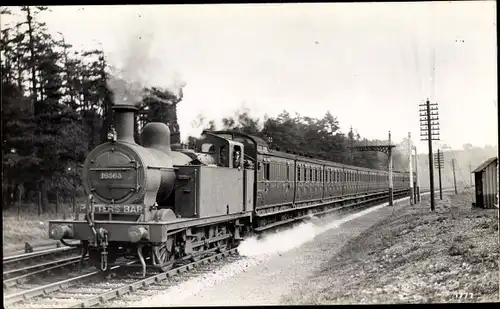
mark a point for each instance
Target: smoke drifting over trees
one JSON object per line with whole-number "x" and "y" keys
{"x": 57, "y": 106}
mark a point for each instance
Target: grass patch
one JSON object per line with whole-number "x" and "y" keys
{"x": 28, "y": 226}
{"x": 415, "y": 256}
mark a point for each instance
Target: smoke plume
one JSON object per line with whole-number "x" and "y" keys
{"x": 132, "y": 70}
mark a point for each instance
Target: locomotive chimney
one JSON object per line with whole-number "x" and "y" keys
{"x": 124, "y": 118}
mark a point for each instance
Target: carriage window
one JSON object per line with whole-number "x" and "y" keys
{"x": 287, "y": 172}
{"x": 267, "y": 171}
{"x": 298, "y": 173}
{"x": 310, "y": 174}
{"x": 315, "y": 175}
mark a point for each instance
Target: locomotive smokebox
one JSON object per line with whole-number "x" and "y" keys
{"x": 124, "y": 118}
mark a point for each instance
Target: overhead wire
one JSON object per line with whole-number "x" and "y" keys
{"x": 415, "y": 59}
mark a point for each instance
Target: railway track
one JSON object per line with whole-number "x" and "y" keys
{"x": 90, "y": 289}
{"x": 31, "y": 248}
{"x": 16, "y": 277}
{"x": 20, "y": 268}
{"x": 33, "y": 257}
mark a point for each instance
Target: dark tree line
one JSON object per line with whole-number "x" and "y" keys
{"x": 56, "y": 107}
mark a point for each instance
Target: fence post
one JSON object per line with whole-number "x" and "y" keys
{"x": 19, "y": 200}
{"x": 57, "y": 202}
{"x": 39, "y": 204}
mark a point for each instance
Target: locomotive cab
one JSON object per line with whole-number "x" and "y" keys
{"x": 226, "y": 153}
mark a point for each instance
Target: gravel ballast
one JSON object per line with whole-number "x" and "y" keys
{"x": 273, "y": 267}
{"x": 401, "y": 254}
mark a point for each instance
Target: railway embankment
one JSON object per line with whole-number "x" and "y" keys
{"x": 413, "y": 256}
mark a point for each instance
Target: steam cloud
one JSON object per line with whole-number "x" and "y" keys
{"x": 297, "y": 236}
{"x": 131, "y": 73}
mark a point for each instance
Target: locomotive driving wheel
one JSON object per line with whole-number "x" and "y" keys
{"x": 164, "y": 255}
{"x": 197, "y": 254}
{"x": 222, "y": 245}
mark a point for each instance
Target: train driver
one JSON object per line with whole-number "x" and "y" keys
{"x": 236, "y": 159}
{"x": 222, "y": 156}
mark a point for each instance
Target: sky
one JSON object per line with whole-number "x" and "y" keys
{"x": 369, "y": 64}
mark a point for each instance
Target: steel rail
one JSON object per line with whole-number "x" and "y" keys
{"x": 28, "y": 256}
{"x": 144, "y": 283}
{"x": 37, "y": 270}
{"x": 53, "y": 287}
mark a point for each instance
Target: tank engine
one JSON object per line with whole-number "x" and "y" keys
{"x": 148, "y": 200}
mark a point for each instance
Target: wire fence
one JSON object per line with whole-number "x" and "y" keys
{"x": 61, "y": 206}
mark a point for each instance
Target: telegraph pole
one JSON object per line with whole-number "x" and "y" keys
{"x": 391, "y": 187}
{"x": 429, "y": 131}
{"x": 439, "y": 165}
{"x": 417, "y": 189}
{"x": 410, "y": 164}
{"x": 454, "y": 179}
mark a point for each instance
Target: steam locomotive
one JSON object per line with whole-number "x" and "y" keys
{"x": 161, "y": 205}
